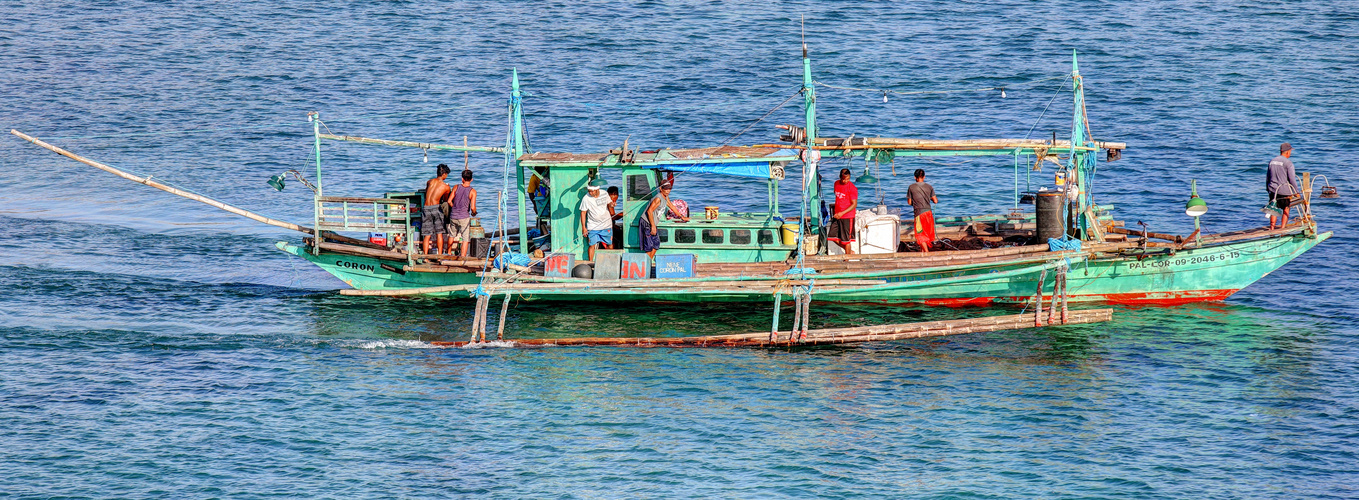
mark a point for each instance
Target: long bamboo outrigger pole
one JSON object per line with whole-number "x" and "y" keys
{"x": 147, "y": 181}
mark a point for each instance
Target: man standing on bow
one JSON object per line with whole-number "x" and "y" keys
{"x": 1281, "y": 183}
{"x": 920, "y": 195}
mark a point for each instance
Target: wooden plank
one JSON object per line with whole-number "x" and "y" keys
{"x": 352, "y": 241}
{"x": 1159, "y": 236}
{"x": 360, "y": 251}
{"x": 428, "y": 268}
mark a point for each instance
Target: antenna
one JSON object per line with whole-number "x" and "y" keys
{"x": 804, "y": 36}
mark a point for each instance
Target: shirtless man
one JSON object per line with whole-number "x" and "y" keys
{"x": 432, "y": 221}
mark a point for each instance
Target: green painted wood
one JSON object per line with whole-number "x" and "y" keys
{"x": 367, "y": 273}
{"x": 1210, "y": 273}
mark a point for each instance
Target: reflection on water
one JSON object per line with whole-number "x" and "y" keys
{"x": 154, "y": 347}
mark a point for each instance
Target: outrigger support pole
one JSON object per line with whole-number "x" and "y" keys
{"x": 315, "y": 118}
{"x": 172, "y": 190}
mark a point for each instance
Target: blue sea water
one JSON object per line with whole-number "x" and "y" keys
{"x": 156, "y": 347}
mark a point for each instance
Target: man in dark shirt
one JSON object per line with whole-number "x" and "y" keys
{"x": 1281, "y": 183}
{"x": 920, "y": 195}
{"x": 841, "y": 230}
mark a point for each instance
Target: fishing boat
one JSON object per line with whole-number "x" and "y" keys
{"x": 1068, "y": 248}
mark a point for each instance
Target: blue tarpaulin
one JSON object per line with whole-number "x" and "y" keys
{"x": 754, "y": 167}
{"x": 759, "y": 170}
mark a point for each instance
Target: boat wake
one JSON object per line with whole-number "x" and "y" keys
{"x": 392, "y": 344}
{"x": 376, "y": 344}
{"x": 489, "y": 345}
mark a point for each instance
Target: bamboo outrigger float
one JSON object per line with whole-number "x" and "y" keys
{"x": 827, "y": 336}
{"x": 767, "y": 256}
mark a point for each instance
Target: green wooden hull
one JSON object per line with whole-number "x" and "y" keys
{"x": 1206, "y": 274}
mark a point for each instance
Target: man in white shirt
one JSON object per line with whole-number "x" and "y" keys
{"x": 595, "y": 222}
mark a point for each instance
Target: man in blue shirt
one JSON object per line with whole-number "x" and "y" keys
{"x": 1281, "y": 183}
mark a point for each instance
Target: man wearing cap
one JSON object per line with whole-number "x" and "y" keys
{"x": 1281, "y": 183}
{"x": 595, "y": 222}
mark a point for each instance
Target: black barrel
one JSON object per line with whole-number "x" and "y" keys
{"x": 1048, "y": 210}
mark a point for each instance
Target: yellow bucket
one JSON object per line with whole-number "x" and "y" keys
{"x": 790, "y": 232}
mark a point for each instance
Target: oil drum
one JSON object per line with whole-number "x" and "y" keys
{"x": 1048, "y": 214}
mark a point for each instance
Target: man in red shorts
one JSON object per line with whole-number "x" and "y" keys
{"x": 920, "y": 195}
{"x": 841, "y": 230}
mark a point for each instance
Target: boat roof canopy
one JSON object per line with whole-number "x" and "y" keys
{"x": 739, "y": 161}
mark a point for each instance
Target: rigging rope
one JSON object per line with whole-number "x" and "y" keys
{"x": 262, "y": 126}
{"x": 918, "y": 92}
{"x": 1045, "y": 108}
{"x": 756, "y": 122}
{"x": 616, "y": 106}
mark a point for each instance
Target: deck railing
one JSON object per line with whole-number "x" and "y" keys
{"x": 378, "y": 215}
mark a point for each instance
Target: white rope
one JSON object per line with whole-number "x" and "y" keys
{"x": 918, "y": 92}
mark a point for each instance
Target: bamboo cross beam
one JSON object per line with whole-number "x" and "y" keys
{"x": 411, "y": 144}
{"x": 169, "y": 189}
{"x": 957, "y": 144}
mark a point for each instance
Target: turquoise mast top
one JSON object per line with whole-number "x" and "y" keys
{"x": 1082, "y": 161}
{"x": 811, "y": 189}
{"x": 516, "y": 145}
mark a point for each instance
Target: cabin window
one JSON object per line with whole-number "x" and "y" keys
{"x": 766, "y": 236}
{"x": 663, "y": 234}
{"x": 639, "y": 188}
{"x": 712, "y": 236}
{"x": 740, "y": 236}
{"x": 684, "y": 236}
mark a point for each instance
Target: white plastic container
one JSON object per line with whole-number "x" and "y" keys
{"x": 877, "y": 234}
{"x": 881, "y": 234}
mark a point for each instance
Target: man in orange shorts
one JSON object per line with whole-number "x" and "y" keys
{"x": 920, "y": 195}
